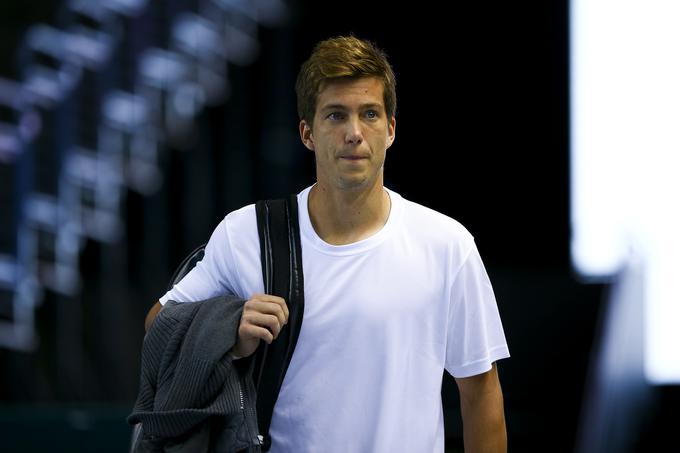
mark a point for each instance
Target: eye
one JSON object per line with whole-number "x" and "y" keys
{"x": 371, "y": 114}
{"x": 335, "y": 116}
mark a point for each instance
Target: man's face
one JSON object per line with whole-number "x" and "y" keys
{"x": 351, "y": 133}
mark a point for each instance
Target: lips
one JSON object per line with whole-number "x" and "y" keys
{"x": 353, "y": 157}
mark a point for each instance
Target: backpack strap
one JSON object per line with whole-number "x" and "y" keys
{"x": 281, "y": 253}
{"x": 187, "y": 264}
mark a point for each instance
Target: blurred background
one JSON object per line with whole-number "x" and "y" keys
{"x": 129, "y": 128}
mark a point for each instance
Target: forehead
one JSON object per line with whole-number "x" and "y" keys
{"x": 351, "y": 91}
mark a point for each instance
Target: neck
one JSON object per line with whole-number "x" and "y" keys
{"x": 344, "y": 217}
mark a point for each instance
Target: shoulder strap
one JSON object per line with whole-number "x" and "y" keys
{"x": 277, "y": 224}
{"x": 187, "y": 264}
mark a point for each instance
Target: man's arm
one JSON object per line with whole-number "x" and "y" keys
{"x": 481, "y": 403}
{"x": 151, "y": 315}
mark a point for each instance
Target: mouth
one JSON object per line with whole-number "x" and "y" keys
{"x": 353, "y": 158}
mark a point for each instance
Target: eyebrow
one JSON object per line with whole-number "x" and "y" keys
{"x": 370, "y": 105}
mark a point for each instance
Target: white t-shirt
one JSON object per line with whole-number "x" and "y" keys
{"x": 383, "y": 318}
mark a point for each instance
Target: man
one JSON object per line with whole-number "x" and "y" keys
{"x": 394, "y": 292}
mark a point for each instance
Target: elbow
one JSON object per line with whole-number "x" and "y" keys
{"x": 151, "y": 315}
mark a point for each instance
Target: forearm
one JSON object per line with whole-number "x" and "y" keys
{"x": 484, "y": 430}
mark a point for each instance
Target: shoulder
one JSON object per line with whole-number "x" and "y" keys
{"x": 434, "y": 225}
{"x": 239, "y": 225}
{"x": 236, "y": 234}
{"x": 436, "y": 234}
{"x": 232, "y": 228}
{"x": 241, "y": 218}
{"x": 239, "y": 228}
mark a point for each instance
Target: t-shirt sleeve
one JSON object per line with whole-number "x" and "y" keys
{"x": 475, "y": 337}
{"x": 212, "y": 276}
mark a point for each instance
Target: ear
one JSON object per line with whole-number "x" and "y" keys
{"x": 391, "y": 131}
{"x": 306, "y": 135}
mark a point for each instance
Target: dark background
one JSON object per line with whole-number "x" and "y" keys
{"x": 482, "y": 136}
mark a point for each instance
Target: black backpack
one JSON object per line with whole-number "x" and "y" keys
{"x": 281, "y": 256}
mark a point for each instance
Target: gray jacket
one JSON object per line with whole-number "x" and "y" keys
{"x": 191, "y": 396}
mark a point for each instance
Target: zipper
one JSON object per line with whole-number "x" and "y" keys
{"x": 240, "y": 394}
{"x": 259, "y": 439}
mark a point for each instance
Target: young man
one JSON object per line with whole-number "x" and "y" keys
{"x": 394, "y": 292}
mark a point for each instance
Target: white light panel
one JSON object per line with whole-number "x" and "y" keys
{"x": 625, "y": 157}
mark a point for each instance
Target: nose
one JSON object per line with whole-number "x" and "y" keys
{"x": 353, "y": 134}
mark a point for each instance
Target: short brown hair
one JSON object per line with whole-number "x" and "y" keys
{"x": 343, "y": 57}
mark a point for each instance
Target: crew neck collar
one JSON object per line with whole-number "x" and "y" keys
{"x": 365, "y": 244}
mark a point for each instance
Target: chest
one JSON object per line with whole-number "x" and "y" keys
{"x": 398, "y": 286}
